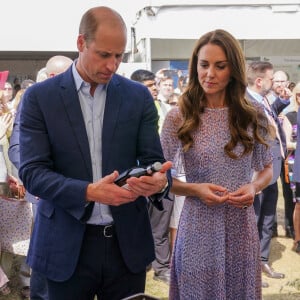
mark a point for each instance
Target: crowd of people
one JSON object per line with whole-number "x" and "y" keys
{"x": 224, "y": 135}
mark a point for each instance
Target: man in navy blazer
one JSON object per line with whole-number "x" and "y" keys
{"x": 78, "y": 130}
{"x": 260, "y": 79}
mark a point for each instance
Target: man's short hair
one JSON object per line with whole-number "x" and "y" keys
{"x": 26, "y": 83}
{"x": 142, "y": 75}
{"x": 257, "y": 69}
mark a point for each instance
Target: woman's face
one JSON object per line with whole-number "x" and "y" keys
{"x": 7, "y": 93}
{"x": 213, "y": 69}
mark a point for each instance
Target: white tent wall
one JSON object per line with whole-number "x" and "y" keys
{"x": 266, "y": 30}
{"x": 34, "y": 30}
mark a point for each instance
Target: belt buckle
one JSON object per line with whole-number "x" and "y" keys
{"x": 107, "y": 235}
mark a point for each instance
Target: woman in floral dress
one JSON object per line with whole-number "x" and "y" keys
{"x": 223, "y": 140}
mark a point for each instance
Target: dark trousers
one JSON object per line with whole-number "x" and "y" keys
{"x": 265, "y": 210}
{"x": 160, "y": 224}
{"x": 100, "y": 272}
{"x": 38, "y": 282}
{"x": 289, "y": 205}
{"x": 38, "y": 286}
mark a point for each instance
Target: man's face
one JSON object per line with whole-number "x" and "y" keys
{"x": 166, "y": 88}
{"x": 100, "y": 58}
{"x": 151, "y": 85}
{"x": 279, "y": 82}
{"x": 7, "y": 93}
{"x": 267, "y": 82}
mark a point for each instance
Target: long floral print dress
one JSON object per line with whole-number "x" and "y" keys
{"x": 216, "y": 253}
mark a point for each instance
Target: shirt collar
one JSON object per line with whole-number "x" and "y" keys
{"x": 79, "y": 82}
{"x": 255, "y": 95}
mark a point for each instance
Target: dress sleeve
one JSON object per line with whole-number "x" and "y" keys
{"x": 171, "y": 145}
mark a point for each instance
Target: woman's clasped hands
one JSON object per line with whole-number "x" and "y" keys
{"x": 213, "y": 194}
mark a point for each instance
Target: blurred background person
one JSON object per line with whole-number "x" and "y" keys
{"x": 165, "y": 88}
{"x": 41, "y": 75}
{"x": 148, "y": 79}
{"x": 54, "y": 66}
{"x": 24, "y": 85}
{"x": 279, "y": 87}
{"x": 181, "y": 82}
{"x": 260, "y": 80}
{"x": 159, "y": 219}
{"x": 292, "y": 205}
{"x": 289, "y": 121}
{"x": 16, "y": 86}
{"x": 280, "y": 82}
{"x": 291, "y": 86}
{"x": 296, "y": 179}
{"x": 7, "y": 97}
{"x": 165, "y": 85}
{"x": 9, "y": 188}
{"x": 5, "y": 165}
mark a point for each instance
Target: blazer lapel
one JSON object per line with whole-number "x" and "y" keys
{"x": 112, "y": 110}
{"x": 72, "y": 106}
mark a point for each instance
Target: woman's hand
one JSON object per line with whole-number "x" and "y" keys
{"x": 210, "y": 194}
{"x": 242, "y": 197}
{"x": 15, "y": 187}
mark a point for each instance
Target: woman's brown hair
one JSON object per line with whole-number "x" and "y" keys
{"x": 242, "y": 114}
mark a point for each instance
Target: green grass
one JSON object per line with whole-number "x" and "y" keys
{"x": 155, "y": 288}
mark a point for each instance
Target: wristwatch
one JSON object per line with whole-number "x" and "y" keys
{"x": 164, "y": 188}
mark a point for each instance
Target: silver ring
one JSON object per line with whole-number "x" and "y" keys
{"x": 245, "y": 207}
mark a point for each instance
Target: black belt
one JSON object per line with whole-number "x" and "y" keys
{"x": 107, "y": 231}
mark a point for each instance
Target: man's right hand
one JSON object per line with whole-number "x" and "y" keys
{"x": 105, "y": 191}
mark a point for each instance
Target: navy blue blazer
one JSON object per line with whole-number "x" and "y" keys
{"x": 56, "y": 166}
{"x": 277, "y": 107}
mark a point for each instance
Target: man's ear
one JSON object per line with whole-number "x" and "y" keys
{"x": 80, "y": 42}
{"x": 258, "y": 81}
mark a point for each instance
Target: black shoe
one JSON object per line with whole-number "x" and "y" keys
{"x": 163, "y": 276}
{"x": 264, "y": 285}
{"x": 289, "y": 233}
{"x": 296, "y": 247}
{"x": 274, "y": 233}
{"x": 270, "y": 272}
{"x": 148, "y": 268}
{"x": 275, "y": 230}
